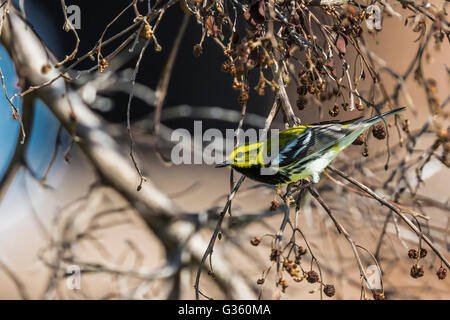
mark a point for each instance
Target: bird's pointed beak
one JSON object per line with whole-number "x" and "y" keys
{"x": 224, "y": 164}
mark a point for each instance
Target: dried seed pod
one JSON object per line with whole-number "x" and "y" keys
{"x": 236, "y": 84}
{"x": 294, "y": 271}
{"x": 441, "y": 273}
{"x": 274, "y": 254}
{"x": 405, "y": 126}
{"x": 287, "y": 262}
{"x": 66, "y": 27}
{"x": 260, "y": 281}
{"x": 335, "y": 111}
{"x": 158, "y": 48}
{"x": 322, "y": 86}
{"x": 359, "y": 140}
{"x": 379, "y": 132}
{"x": 416, "y": 271}
{"x": 423, "y": 252}
{"x": 301, "y": 103}
{"x": 103, "y": 65}
{"x": 255, "y": 241}
{"x": 365, "y": 153}
{"x": 413, "y": 254}
{"x": 243, "y": 98}
{"x": 146, "y": 31}
{"x": 301, "y": 251}
{"x": 312, "y": 276}
{"x": 329, "y": 290}
{"x": 197, "y": 50}
{"x": 227, "y": 66}
{"x": 359, "y": 106}
{"x": 378, "y": 295}
{"x": 274, "y": 205}
{"x": 432, "y": 85}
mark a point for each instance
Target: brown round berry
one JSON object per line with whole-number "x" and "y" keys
{"x": 423, "y": 252}
{"x": 359, "y": 140}
{"x": 329, "y": 290}
{"x": 312, "y": 276}
{"x": 378, "y": 295}
{"x": 301, "y": 103}
{"x": 227, "y": 66}
{"x": 294, "y": 271}
{"x": 301, "y": 251}
{"x": 274, "y": 205}
{"x": 359, "y": 106}
{"x": 413, "y": 254}
{"x": 441, "y": 273}
{"x": 416, "y": 271}
{"x": 379, "y": 132}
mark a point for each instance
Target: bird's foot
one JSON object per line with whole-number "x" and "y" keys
{"x": 287, "y": 197}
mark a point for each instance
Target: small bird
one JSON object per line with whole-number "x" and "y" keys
{"x": 304, "y": 151}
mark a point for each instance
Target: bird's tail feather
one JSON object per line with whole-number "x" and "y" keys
{"x": 377, "y": 118}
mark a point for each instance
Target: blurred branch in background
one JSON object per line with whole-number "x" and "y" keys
{"x": 90, "y": 132}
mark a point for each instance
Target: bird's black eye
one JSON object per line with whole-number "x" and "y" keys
{"x": 239, "y": 154}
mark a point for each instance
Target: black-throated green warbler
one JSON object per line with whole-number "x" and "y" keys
{"x": 304, "y": 151}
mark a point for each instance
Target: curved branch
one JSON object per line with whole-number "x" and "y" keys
{"x": 395, "y": 210}
{"x": 17, "y": 159}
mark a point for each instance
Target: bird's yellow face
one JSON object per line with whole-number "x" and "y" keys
{"x": 243, "y": 156}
